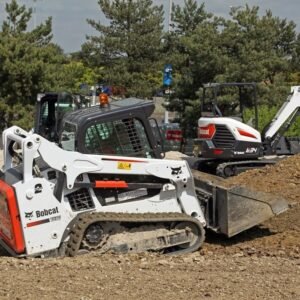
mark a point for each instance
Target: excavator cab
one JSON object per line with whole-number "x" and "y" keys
{"x": 223, "y": 108}
{"x": 229, "y": 99}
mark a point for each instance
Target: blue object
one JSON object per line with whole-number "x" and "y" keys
{"x": 167, "y": 79}
{"x": 107, "y": 90}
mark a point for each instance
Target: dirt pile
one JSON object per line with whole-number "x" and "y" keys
{"x": 279, "y": 236}
{"x": 281, "y": 179}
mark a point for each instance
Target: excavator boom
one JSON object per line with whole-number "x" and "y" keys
{"x": 287, "y": 111}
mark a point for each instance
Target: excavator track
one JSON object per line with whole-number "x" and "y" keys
{"x": 179, "y": 239}
{"x": 234, "y": 168}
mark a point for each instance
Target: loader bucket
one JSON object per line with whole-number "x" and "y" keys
{"x": 231, "y": 210}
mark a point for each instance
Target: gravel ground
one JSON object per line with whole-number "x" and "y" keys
{"x": 146, "y": 276}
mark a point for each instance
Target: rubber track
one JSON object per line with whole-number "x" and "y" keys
{"x": 259, "y": 163}
{"x": 86, "y": 219}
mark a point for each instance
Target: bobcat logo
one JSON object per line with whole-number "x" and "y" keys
{"x": 28, "y": 214}
{"x": 38, "y": 188}
{"x": 176, "y": 171}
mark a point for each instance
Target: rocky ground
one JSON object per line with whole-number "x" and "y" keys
{"x": 261, "y": 263}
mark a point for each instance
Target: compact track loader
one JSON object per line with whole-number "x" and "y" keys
{"x": 75, "y": 198}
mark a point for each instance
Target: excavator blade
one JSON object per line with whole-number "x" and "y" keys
{"x": 231, "y": 210}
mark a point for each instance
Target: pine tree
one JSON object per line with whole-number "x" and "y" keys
{"x": 193, "y": 49}
{"x": 129, "y": 48}
{"x": 258, "y": 47}
{"x": 26, "y": 58}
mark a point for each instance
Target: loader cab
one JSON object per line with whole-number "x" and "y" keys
{"x": 50, "y": 110}
{"x": 122, "y": 128}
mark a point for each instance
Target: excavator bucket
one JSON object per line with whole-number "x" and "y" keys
{"x": 231, "y": 210}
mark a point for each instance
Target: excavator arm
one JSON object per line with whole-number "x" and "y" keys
{"x": 283, "y": 119}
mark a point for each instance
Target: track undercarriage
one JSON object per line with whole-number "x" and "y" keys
{"x": 234, "y": 168}
{"x": 230, "y": 168}
{"x": 129, "y": 233}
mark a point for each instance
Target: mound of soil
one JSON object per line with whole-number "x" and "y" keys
{"x": 279, "y": 235}
{"x": 281, "y": 179}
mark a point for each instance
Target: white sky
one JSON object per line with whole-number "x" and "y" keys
{"x": 69, "y": 16}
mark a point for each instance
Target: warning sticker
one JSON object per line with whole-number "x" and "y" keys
{"x": 122, "y": 165}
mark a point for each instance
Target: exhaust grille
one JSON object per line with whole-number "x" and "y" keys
{"x": 80, "y": 200}
{"x": 223, "y": 138}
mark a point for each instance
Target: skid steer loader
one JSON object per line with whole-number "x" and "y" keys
{"x": 106, "y": 188}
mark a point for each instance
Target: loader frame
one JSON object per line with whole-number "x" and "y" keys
{"x": 42, "y": 197}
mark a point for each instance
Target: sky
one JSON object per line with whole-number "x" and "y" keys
{"x": 69, "y": 16}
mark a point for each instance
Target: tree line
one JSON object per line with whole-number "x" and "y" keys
{"x": 131, "y": 50}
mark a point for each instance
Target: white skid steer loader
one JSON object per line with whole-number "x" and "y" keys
{"x": 58, "y": 202}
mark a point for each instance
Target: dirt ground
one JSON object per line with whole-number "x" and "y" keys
{"x": 261, "y": 263}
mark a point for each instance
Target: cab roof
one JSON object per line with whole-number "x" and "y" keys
{"x": 127, "y": 106}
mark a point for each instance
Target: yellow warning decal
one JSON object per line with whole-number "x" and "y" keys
{"x": 122, "y": 165}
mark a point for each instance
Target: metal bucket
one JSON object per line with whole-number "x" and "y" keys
{"x": 231, "y": 210}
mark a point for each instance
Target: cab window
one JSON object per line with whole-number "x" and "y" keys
{"x": 125, "y": 137}
{"x": 68, "y": 135}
